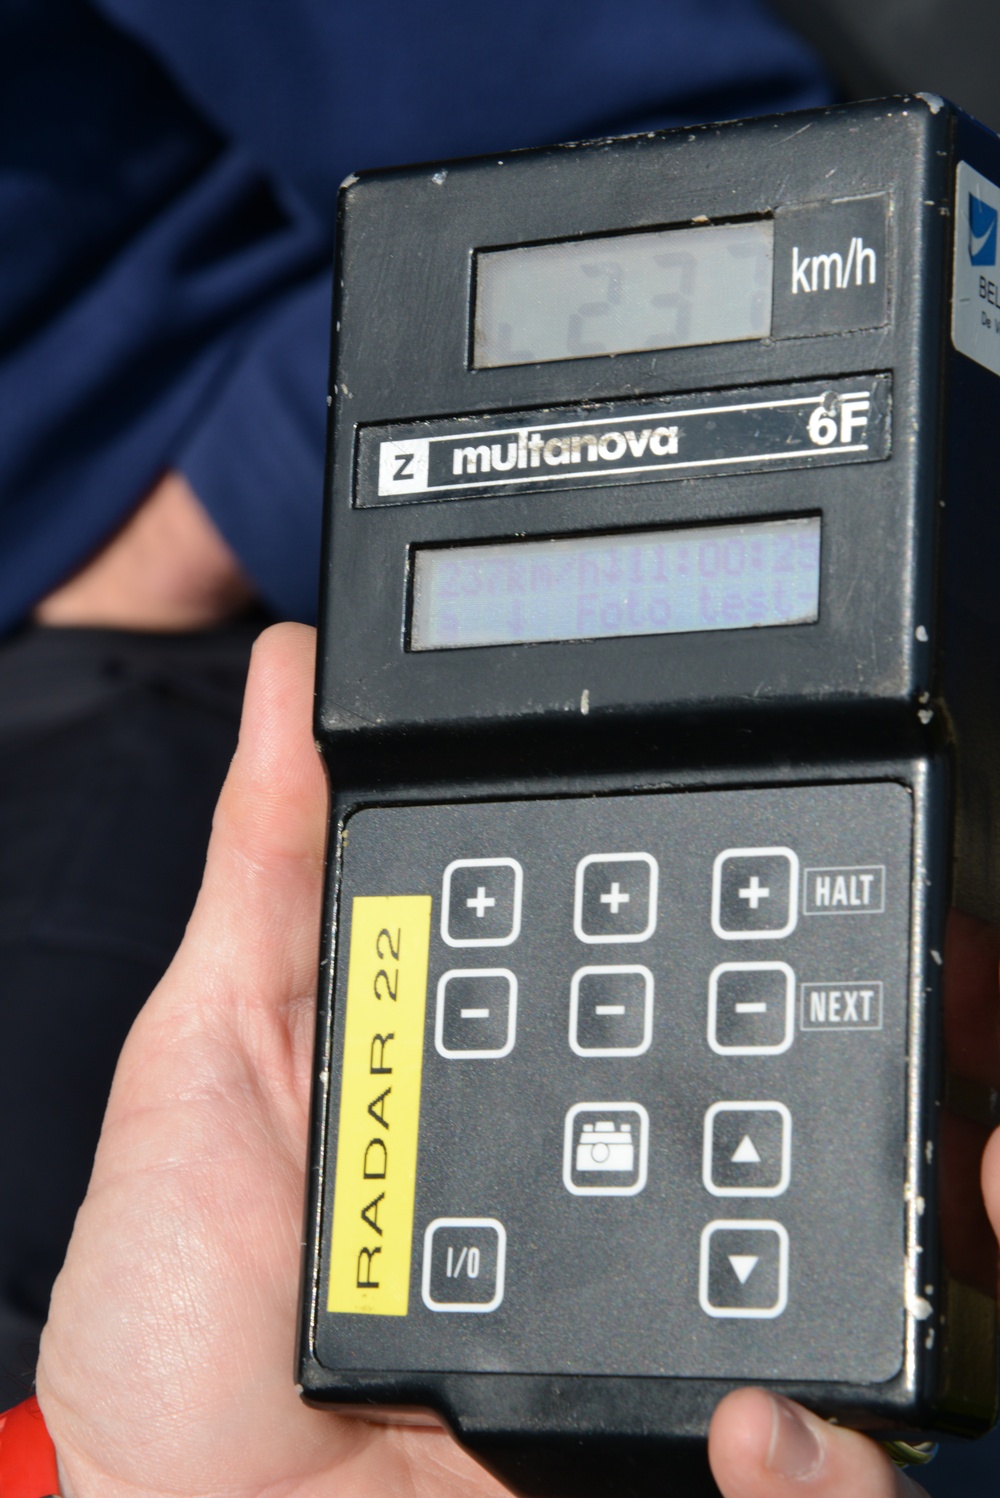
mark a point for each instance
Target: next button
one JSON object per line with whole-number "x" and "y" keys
{"x": 856, "y": 890}
{"x": 841, "y": 1006}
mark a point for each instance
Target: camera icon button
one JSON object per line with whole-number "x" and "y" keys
{"x": 605, "y": 1149}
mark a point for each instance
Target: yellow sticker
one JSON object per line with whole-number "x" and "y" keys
{"x": 380, "y": 1105}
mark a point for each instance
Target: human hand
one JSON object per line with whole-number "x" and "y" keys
{"x": 167, "y": 568}
{"x": 166, "y": 1366}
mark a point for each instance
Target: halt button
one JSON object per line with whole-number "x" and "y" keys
{"x": 755, "y": 893}
{"x": 855, "y": 890}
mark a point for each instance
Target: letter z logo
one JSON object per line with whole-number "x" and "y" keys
{"x": 982, "y": 232}
{"x": 402, "y": 467}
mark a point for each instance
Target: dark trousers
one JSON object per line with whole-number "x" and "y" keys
{"x": 113, "y": 747}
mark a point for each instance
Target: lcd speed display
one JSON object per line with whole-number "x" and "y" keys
{"x": 600, "y": 587}
{"x": 580, "y": 298}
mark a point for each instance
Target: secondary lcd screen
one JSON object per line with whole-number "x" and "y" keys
{"x": 669, "y": 289}
{"x": 601, "y": 587}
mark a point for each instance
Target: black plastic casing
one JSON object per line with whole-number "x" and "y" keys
{"x": 894, "y": 682}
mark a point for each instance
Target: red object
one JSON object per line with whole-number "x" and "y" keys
{"x": 27, "y": 1456}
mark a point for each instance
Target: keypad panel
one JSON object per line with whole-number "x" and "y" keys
{"x": 663, "y": 1096}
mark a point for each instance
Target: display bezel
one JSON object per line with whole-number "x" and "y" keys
{"x": 700, "y": 221}
{"x": 681, "y": 528}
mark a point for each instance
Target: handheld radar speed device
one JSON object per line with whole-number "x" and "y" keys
{"x": 657, "y": 690}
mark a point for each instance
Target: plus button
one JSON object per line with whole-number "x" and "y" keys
{"x": 482, "y": 901}
{"x": 754, "y": 893}
{"x": 615, "y": 897}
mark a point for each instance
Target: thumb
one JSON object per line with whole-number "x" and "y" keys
{"x": 256, "y": 913}
{"x": 237, "y": 1001}
{"x": 763, "y": 1446}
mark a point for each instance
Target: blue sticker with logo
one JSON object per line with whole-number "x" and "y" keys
{"x": 982, "y": 232}
{"x": 975, "y": 301}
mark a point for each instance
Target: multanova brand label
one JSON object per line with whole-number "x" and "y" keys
{"x": 570, "y": 447}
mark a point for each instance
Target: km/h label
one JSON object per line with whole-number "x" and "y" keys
{"x": 831, "y": 264}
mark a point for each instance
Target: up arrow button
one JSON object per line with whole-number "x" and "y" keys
{"x": 745, "y": 1153}
{"x": 747, "y": 1149}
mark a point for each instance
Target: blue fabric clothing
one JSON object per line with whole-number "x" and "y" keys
{"x": 168, "y": 178}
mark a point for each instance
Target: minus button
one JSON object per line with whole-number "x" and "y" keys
{"x": 476, "y": 1013}
{"x": 751, "y": 1008}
